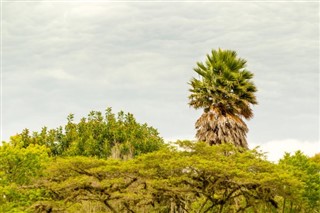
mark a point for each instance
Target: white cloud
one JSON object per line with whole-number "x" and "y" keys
{"x": 57, "y": 74}
{"x": 275, "y": 149}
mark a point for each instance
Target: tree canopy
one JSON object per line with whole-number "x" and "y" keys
{"x": 118, "y": 136}
{"x": 194, "y": 177}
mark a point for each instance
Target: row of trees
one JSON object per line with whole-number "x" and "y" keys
{"x": 199, "y": 179}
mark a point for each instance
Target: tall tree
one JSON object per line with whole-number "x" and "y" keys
{"x": 225, "y": 91}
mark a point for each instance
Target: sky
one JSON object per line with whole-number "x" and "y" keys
{"x": 62, "y": 57}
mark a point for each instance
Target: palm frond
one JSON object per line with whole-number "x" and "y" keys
{"x": 225, "y": 92}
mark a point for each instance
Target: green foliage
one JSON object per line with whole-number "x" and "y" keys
{"x": 22, "y": 159}
{"x": 19, "y": 165}
{"x": 18, "y": 168}
{"x": 198, "y": 179}
{"x": 105, "y": 136}
{"x": 193, "y": 177}
{"x": 307, "y": 170}
{"x": 316, "y": 158}
{"x": 224, "y": 82}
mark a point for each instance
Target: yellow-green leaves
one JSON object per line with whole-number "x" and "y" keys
{"x": 194, "y": 175}
{"x": 20, "y": 165}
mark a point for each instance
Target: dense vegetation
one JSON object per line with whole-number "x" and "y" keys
{"x": 195, "y": 177}
{"x": 112, "y": 163}
{"x": 97, "y": 135}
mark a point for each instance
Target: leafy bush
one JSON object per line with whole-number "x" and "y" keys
{"x": 118, "y": 136}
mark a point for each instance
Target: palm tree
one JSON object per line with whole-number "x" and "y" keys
{"x": 225, "y": 91}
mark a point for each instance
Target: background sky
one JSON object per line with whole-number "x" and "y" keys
{"x": 74, "y": 57}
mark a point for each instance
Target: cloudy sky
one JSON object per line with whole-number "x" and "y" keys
{"x": 73, "y": 57}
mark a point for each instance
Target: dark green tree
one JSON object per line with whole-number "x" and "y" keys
{"x": 225, "y": 91}
{"x": 110, "y": 135}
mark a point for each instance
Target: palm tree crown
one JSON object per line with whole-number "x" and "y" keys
{"x": 225, "y": 92}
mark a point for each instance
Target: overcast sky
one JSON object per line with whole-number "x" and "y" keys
{"x": 74, "y": 57}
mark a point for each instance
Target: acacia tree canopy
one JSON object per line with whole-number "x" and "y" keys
{"x": 168, "y": 180}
